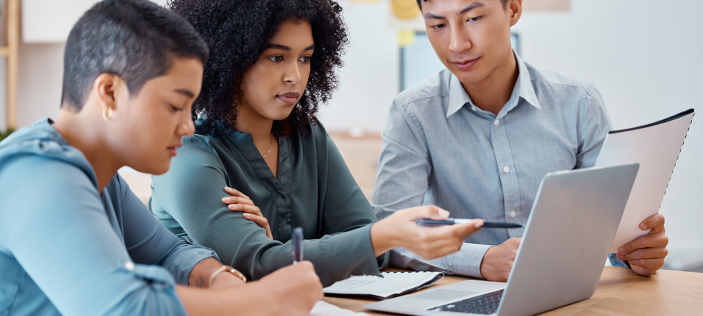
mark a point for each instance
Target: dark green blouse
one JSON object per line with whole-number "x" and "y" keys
{"x": 314, "y": 190}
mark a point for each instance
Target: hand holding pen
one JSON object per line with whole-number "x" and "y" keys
{"x": 428, "y": 222}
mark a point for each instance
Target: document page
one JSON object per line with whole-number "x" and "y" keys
{"x": 656, "y": 148}
{"x": 392, "y": 283}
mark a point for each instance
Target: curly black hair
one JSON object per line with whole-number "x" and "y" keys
{"x": 238, "y": 31}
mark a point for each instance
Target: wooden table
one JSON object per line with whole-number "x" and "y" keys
{"x": 619, "y": 292}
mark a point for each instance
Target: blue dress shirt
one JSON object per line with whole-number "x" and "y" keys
{"x": 439, "y": 148}
{"x": 66, "y": 248}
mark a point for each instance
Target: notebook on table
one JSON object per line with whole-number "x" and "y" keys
{"x": 390, "y": 285}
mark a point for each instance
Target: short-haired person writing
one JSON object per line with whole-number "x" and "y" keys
{"x": 74, "y": 240}
{"x": 477, "y": 139}
{"x": 272, "y": 63}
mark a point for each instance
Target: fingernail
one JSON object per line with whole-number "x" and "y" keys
{"x": 224, "y": 199}
{"x": 246, "y": 215}
{"x": 643, "y": 226}
{"x": 232, "y": 206}
{"x": 621, "y": 250}
{"x": 443, "y": 213}
{"x": 228, "y": 188}
{"x": 479, "y": 224}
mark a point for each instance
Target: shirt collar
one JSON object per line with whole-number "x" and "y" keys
{"x": 458, "y": 96}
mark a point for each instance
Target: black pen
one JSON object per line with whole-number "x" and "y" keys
{"x": 451, "y": 221}
{"x": 297, "y": 244}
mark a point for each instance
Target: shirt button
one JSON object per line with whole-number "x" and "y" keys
{"x": 506, "y": 169}
{"x": 496, "y": 123}
{"x": 473, "y": 108}
{"x": 512, "y": 214}
{"x": 129, "y": 266}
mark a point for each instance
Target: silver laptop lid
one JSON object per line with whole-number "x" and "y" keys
{"x": 567, "y": 238}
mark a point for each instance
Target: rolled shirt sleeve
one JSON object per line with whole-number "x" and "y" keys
{"x": 149, "y": 242}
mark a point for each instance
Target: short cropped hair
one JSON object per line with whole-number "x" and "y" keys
{"x": 419, "y": 4}
{"x": 134, "y": 39}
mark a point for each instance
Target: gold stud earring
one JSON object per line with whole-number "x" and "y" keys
{"x": 107, "y": 115}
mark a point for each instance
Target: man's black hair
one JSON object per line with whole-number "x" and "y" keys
{"x": 134, "y": 39}
{"x": 419, "y": 4}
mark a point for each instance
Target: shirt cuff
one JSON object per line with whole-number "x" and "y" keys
{"x": 616, "y": 262}
{"x": 184, "y": 258}
{"x": 465, "y": 262}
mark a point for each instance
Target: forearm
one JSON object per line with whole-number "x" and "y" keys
{"x": 200, "y": 275}
{"x": 251, "y": 299}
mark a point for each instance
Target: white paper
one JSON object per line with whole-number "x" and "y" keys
{"x": 392, "y": 283}
{"x": 323, "y": 308}
{"x": 656, "y": 149}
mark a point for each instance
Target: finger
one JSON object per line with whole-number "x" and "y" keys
{"x": 236, "y": 200}
{"x": 464, "y": 230}
{"x": 235, "y": 192}
{"x": 652, "y": 222}
{"x": 251, "y": 209}
{"x": 427, "y": 211}
{"x": 259, "y": 220}
{"x": 650, "y": 265}
{"x": 647, "y": 253}
{"x": 646, "y": 241}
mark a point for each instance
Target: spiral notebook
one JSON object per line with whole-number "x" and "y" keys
{"x": 656, "y": 148}
{"x": 390, "y": 285}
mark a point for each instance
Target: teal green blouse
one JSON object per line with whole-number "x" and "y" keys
{"x": 314, "y": 190}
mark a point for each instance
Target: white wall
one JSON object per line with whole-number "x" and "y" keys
{"x": 646, "y": 58}
{"x": 370, "y": 79}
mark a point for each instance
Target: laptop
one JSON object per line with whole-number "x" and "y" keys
{"x": 560, "y": 259}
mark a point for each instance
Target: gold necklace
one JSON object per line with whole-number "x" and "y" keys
{"x": 270, "y": 146}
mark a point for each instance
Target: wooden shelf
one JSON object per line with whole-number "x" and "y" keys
{"x": 11, "y": 52}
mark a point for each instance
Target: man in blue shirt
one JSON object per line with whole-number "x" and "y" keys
{"x": 477, "y": 138}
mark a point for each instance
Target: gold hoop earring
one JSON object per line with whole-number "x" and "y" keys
{"x": 107, "y": 116}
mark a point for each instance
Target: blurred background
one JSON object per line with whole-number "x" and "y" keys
{"x": 645, "y": 57}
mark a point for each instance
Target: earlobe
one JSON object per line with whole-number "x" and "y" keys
{"x": 105, "y": 87}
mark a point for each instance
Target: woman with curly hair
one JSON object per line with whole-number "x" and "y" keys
{"x": 259, "y": 157}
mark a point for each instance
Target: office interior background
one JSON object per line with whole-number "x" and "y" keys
{"x": 645, "y": 57}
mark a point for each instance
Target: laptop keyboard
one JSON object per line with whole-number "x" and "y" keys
{"x": 483, "y": 304}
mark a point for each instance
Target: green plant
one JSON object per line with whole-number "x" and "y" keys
{"x": 4, "y": 135}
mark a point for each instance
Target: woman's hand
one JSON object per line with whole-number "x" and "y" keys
{"x": 238, "y": 202}
{"x": 400, "y": 230}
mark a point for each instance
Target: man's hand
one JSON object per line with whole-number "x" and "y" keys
{"x": 646, "y": 254}
{"x": 498, "y": 260}
{"x": 400, "y": 230}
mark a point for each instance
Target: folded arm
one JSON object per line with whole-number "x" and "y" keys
{"x": 192, "y": 194}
